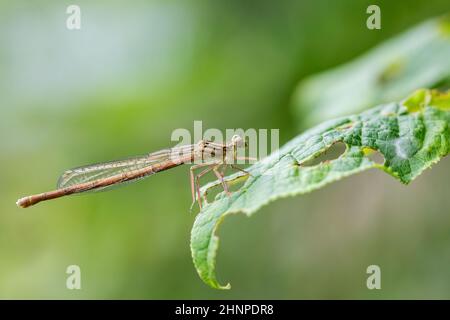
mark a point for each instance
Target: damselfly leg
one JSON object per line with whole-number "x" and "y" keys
{"x": 219, "y": 176}
{"x": 194, "y": 181}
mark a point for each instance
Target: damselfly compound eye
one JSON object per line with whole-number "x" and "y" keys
{"x": 237, "y": 140}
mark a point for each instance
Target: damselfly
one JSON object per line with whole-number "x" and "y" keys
{"x": 210, "y": 156}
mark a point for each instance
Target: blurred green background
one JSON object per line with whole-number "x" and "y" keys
{"x": 136, "y": 71}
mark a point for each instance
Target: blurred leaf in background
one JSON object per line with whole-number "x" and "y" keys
{"x": 417, "y": 58}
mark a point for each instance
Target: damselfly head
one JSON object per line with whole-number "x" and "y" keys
{"x": 238, "y": 141}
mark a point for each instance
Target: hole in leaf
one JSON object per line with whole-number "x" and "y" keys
{"x": 212, "y": 193}
{"x": 237, "y": 184}
{"x": 374, "y": 155}
{"x": 332, "y": 153}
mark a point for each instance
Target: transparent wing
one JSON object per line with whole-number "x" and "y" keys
{"x": 108, "y": 169}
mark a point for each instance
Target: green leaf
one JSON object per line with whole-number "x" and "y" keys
{"x": 411, "y": 138}
{"x": 414, "y": 59}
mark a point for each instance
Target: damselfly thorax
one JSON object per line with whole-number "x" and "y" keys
{"x": 207, "y": 151}
{"x": 211, "y": 156}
